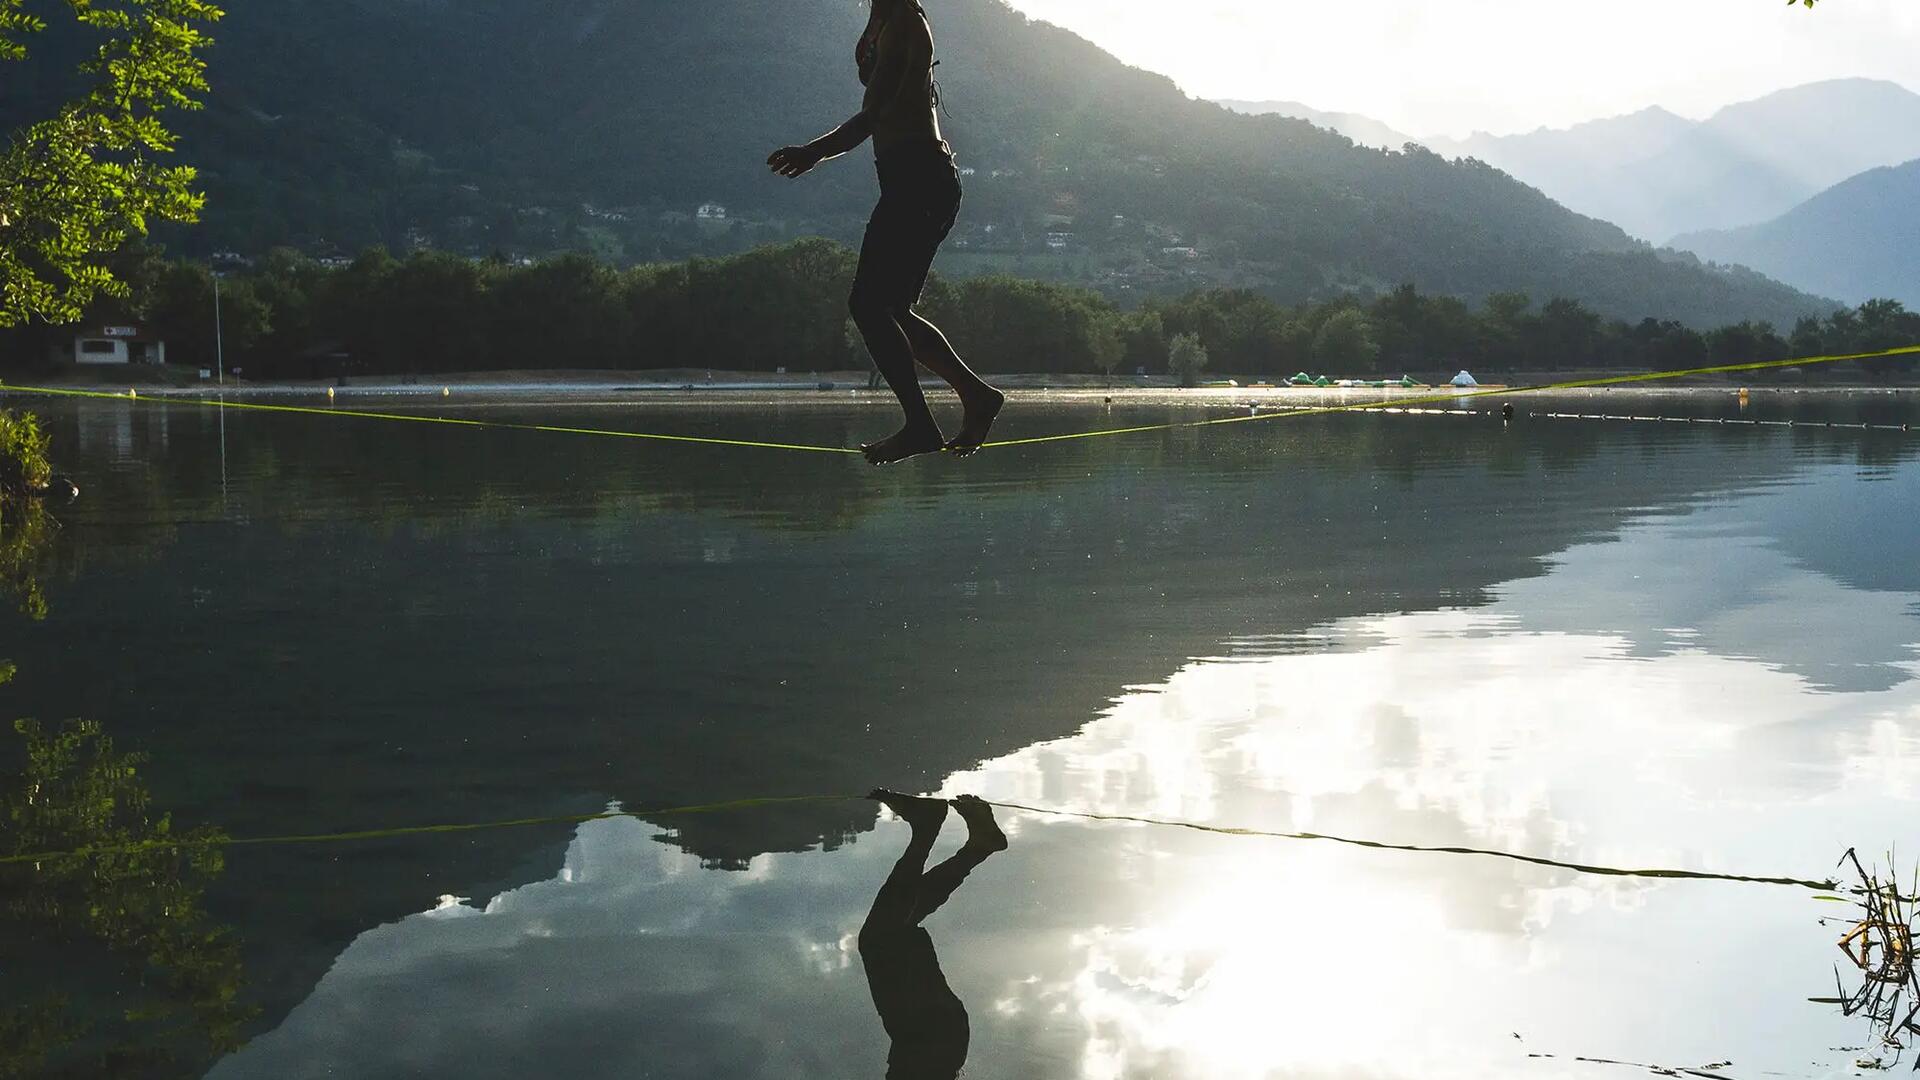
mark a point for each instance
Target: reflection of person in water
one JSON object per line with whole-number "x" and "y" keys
{"x": 919, "y": 202}
{"x": 927, "y": 1023}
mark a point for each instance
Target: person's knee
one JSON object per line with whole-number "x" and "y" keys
{"x": 870, "y": 305}
{"x": 915, "y": 324}
{"x": 876, "y": 935}
{"x": 867, "y": 308}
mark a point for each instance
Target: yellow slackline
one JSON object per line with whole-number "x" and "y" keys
{"x": 1322, "y": 410}
{"x": 1657, "y": 1070}
{"x": 1380, "y": 845}
{"x": 141, "y": 847}
{"x": 415, "y": 418}
{"x": 172, "y": 844}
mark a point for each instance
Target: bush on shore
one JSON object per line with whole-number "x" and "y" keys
{"x": 24, "y": 466}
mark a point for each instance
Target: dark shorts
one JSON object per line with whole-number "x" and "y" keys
{"x": 919, "y": 201}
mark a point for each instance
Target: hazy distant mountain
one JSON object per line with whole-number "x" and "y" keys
{"x": 1566, "y": 163}
{"x": 1610, "y": 140}
{"x": 1857, "y": 241}
{"x": 1656, "y": 174}
{"x": 527, "y": 128}
{"x": 1364, "y": 130}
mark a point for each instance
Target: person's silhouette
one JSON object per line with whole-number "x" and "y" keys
{"x": 923, "y": 1017}
{"x": 919, "y": 202}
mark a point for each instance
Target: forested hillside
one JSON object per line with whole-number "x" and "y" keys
{"x": 524, "y": 129}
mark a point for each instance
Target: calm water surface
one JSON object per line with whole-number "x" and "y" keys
{"x": 1644, "y": 645}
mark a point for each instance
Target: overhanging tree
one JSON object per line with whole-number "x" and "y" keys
{"x": 77, "y": 185}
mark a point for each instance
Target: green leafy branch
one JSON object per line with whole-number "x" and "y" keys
{"x": 24, "y": 465}
{"x": 76, "y": 186}
{"x": 26, "y": 529}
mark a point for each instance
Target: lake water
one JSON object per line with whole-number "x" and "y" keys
{"x": 1643, "y": 645}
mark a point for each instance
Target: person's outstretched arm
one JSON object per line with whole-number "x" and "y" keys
{"x": 889, "y": 80}
{"x": 797, "y": 161}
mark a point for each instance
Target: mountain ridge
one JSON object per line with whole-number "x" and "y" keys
{"x": 1858, "y": 240}
{"x": 1363, "y": 130}
{"x": 1746, "y": 163}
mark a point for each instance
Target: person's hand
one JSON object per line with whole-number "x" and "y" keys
{"x": 793, "y": 161}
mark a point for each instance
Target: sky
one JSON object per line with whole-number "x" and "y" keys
{"x": 1451, "y": 67}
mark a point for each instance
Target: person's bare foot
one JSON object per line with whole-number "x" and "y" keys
{"x": 983, "y": 409}
{"x": 915, "y": 811}
{"x": 982, "y": 831}
{"x": 910, "y": 441}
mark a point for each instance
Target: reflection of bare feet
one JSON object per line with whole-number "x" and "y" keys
{"x": 915, "y": 811}
{"x": 982, "y": 830}
{"x": 982, "y": 409}
{"x": 909, "y": 441}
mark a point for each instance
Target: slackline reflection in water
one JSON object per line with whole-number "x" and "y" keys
{"x": 923, "y": 1017}
{"x": 919, "y": 202}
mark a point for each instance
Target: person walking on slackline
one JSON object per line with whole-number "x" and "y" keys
{"x": 919, "y": 200}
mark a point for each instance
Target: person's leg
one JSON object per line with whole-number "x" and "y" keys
{"x": 981, "y": 400}
{"x": 893, "y": 354}
{"x": 935, "y": 353}
{"x": 936, "y": 197}
{"x": 876, "y": 304}
{"x": 926, "y": 1022}
{"x": 894, "y": 906}
{"x": 938, "y": 885}
{"x": 984, "y": 839}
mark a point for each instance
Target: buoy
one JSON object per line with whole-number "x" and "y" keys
{"x": 1506, "y": 412}
{"x": 446, "y": 391}
{"x": 132, "y": 393}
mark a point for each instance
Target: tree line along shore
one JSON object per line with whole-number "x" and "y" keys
{"x": 782, "y": 307}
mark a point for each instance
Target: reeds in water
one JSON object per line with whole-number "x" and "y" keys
{"x": 1878, "y": 943}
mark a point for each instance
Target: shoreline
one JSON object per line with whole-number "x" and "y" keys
{"x": 852, "y": 385}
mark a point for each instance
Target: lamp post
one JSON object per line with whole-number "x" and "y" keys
{"x": 219, "y": 347}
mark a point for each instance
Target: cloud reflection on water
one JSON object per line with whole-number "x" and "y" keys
{"x": 1674, "y": 697}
